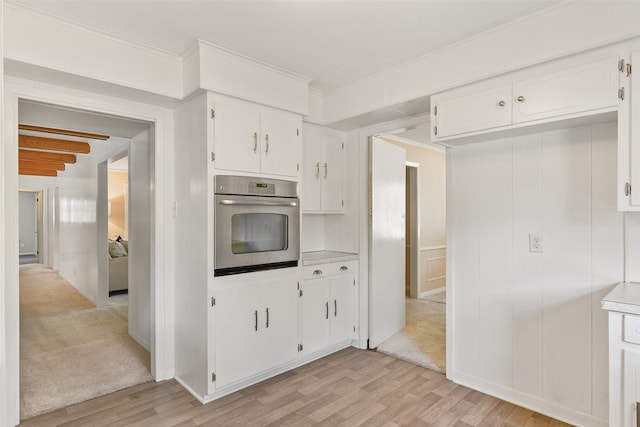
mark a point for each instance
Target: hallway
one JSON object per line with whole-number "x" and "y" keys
{"x": 71, "y": 351}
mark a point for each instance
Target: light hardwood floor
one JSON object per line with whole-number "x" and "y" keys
{"x": 349, "y": 388}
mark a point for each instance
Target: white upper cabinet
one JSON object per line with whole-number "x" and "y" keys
{"x": 237, "y": 138}
{"x": 253, "y": 139}
{"x": 472, "y": 111}
{"x": 280, "y": 153}
{"x": 506, "y": 102}
{"x": 629, "y": 137}
{"x": 322, "y": 171}
{"x": 587, "y": 87}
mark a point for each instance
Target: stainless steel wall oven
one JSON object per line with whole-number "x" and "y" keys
{"x": 257, "y": 224}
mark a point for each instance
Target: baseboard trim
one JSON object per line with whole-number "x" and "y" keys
{"x": 431, "y": 292}
{"x": 561, "y": 413}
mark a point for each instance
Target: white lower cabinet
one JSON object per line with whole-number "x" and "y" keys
{"x": 327, "y": 306}
{"x": 624, "y": 369}
{"x": 256, "y": 328}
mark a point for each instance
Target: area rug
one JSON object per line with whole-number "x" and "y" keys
{"x": 71, "y": 351}
{"x": 422, "y": 341}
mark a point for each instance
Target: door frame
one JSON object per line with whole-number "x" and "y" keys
{"x": 162, "y": 314}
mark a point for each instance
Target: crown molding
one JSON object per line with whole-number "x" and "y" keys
{"x": 202, "y": 44}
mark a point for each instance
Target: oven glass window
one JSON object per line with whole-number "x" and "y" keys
{"x": 258, "y": 232}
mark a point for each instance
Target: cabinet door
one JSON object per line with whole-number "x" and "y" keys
{"x": 314, "y": 315}
{"x": 236, "y": 139}
{"x": 311, "y": 163}
{"x": 632, "y": 157}
{"x": 331, "y": 171}
{"x": 279, "y": 322}
{"x": 455, "y": 114}
{"x": 341, "y": 304}
{"x": 280, "y": 153}
{"x": 574, "y": 90}
{"x": 236, "y": 334}
{"x": 631, "y": 393}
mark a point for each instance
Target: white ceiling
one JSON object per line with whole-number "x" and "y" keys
{"x": 332, "y": 42}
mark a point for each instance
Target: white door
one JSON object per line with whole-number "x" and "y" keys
{"x": 341, "y": 308}
{"x": 386, "y": 240}
{"x": 311, "y": 161}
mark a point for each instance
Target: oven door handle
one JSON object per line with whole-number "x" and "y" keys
{"x": 228, "y": 202}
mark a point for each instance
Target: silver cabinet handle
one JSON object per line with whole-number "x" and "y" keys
{"x": 266, "y": 140}
{"x": 520, "y": 98}
{"x": 317, "y": 272}
{"x": 325, "y": 170}
{"x": 344, "y": 268}
{"x": 267, "y": 317}
{"x": 637, "y": 414}
{"x": 255, "y": 328}
{"x": 335, "y": 308}
{"x": 255, "y": 142}
{"x": 501, "y": 103}
{"x": 317, "y": 169}
{"x": 326, "y": 305}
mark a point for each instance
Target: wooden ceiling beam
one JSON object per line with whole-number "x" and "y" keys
{"x": 50, "y": 144}
{"x": 37, "y": 172}
{"x": 44, "y": 156}
{"x": 63, "y": 132}
{"x": 35, "y": 164}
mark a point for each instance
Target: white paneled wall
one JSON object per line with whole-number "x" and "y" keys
{"x": 433, "y": 270}
{"x": 528, "y": 326}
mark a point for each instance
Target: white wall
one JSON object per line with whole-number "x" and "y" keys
{"x": 524, "y": 326}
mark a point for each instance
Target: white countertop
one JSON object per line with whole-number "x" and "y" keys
{"x": 624, "y": 298}
{"x": 321, "y": 257}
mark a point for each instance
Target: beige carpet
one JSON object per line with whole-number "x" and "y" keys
{"x": 422, "y": 341}
{"x": 71, "y": 351}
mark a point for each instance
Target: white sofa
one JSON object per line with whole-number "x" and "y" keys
{"x": 118, "y": 265}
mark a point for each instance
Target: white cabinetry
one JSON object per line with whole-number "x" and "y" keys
{"x": 255, "y": 328}
{"x": 623, "y": 303}
{"x": 624, "y": 369}
{"x": 507, "y": 102}
{"x": 256, "y": 140}
{"x": 472, "y": 110}
{"x": 327, "y": 306}
{"x": 322, "y": 170}
{"x": 629, "y": 137}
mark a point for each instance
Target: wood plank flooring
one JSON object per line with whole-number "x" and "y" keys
{"x": 349, "y": 388}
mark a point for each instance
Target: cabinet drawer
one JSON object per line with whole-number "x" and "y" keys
{"x": 329, "y": 269}
{"x": 632, "y": 329}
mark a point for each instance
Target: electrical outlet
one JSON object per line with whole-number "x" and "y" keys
{"x": 535, "y": 242}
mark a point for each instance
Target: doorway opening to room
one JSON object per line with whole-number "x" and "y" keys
{"x": 118, "y": 226}
{"x": 76, "y": 343}
{"x": 31, "y": 227}
{"x": 423, "y": 339}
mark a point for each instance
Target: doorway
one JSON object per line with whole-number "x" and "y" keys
{"x": 30, "y": 227}
{"x": 105, "y": 343}
{"x": 161, "y": 170}
{"x": 423, "y": 340}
